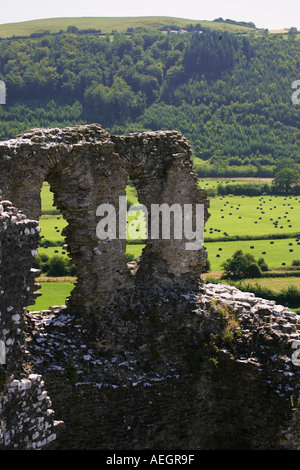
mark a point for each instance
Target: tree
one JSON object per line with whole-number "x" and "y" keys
{"x": 57, "y": 266}
{"x": 174, "y": 75}
{"x": 241, "y": 265}
{"x": 285, "y": 179}
{"x": 292, "y": 33}
{"x": 72, "y": 29}
{"x": 285, "y": 163}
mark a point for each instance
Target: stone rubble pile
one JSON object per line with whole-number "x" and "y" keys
{"x": 269, "y": 334}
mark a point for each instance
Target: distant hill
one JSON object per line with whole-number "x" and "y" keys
{"x": 230, "y": 94}
{"x": 109, "y": 24}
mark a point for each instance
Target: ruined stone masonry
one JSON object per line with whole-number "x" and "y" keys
{"x": 25, "y": 408}
{"x": 142, "y": 356}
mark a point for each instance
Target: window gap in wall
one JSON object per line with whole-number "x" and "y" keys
{"x": 136, "y": 226}
{"x": 58, "y": 273}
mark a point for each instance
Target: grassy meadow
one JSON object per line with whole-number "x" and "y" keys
{"x": 54, "y": 292}
{"x": 253, "y": 216}
{"x": 268, "y": 228}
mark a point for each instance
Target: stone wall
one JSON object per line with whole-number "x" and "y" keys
{"x": 160, "y": 166}
{"x": 147, "y": 358}
{"x": 25, "y": 407}
{"x": 200, "y": 371}
{"x": 86, "y": 167}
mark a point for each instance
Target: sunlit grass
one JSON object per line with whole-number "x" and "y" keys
{"x": 274, "y": 253}
{"x": 53, "y": 293}
{"x": 253, "y": 216}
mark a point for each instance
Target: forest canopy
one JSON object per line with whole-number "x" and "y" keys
{"x": 230, "y": 95}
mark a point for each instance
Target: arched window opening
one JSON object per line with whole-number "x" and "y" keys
{"x": 58, "y": 272}
{"x": 136, "y": 227}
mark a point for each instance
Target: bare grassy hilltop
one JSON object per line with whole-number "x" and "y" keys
{"x": 109, "y": 24}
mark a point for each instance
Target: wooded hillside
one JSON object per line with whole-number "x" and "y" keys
{"x": 229, "y": 94}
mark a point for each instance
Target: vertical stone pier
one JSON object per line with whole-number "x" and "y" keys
{"x": 160, "y": 167}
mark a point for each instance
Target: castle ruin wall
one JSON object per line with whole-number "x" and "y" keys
{"x": 146, "y": 359}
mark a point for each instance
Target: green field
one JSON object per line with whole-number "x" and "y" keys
{"x": 53, "y": 293}
{"x": 47, "y": 200}
{"x": 109, "y": 24}
{"x": 253, "y": 216}
{"x": 213, "y": 182}
{"x": 231, "y": 216}
{"x": 274, "y": 254}
{"x": 51, "y": 227}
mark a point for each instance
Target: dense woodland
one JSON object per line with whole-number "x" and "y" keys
{"x": 230, "y": 95}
